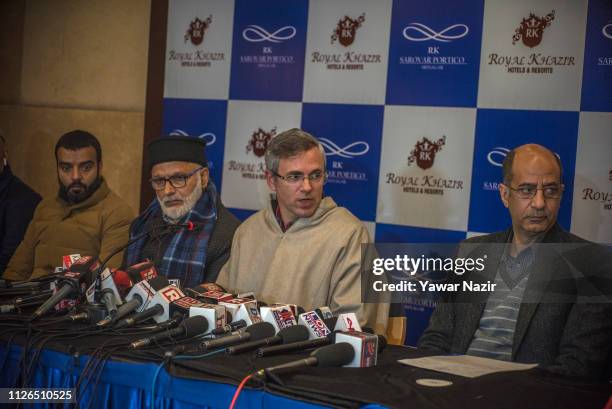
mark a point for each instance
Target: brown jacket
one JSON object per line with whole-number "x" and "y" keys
{"x": 94, "y": 227}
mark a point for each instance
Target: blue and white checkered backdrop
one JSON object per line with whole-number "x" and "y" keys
{"x": 416, "y": 103}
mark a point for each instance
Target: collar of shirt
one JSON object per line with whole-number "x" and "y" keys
{"x": 514, "y": 269}
{"x": 284, "y": 227}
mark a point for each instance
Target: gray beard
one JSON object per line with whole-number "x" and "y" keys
{"x": 173, "y": 215}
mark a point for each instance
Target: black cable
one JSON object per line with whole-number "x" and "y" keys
{"x": 41, "y": 338}
{"x": 104, "y": 359}
{"x": 75, "y": 334}
{"x": 91, "y": 366}
{"x": 9, "y": 343}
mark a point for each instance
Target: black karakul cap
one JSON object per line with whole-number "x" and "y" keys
{"x": 177, "y": 149}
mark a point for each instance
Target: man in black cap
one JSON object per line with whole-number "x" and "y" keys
{"x": 185, "y": 196}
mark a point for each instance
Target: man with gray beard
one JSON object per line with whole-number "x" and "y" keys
{"x": 185, "y": 196}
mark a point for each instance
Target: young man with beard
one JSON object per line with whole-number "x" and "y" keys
{"x": 185, "y": 194}
{"x": 302, "y": 248}
{"x": 85, "y": 218}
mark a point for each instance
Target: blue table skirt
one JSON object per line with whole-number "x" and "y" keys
{"x": 128, "y": 385}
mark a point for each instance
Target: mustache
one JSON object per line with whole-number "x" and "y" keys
{"x": 76, "y": 184}
{"x": 170, "y": 199}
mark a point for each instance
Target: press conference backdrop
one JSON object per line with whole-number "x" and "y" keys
{"x": 416, "y": 104}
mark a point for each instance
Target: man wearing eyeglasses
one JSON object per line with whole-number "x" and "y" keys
{"x": 543, "y": 308}
{"x": 302, "y": 248}
{"x": 185, "y": 196}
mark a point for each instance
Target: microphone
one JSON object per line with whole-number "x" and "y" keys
{"x": 123, "y": 282}
{"x": 163, "y": 298}
{"x": 68, "y": 260}
{"x": 205, "y": 287}
{"x": 165, "y": 229}
{"x": 280, "y": 316}
{"x": 142, "y": 271}
{"x": 213, "y": 297}
{"x": 328, "y": 356}
{"x": 248, "y": 312}
{"x": 34, "y": 297}
{"x": 158, "y": 308}
{"x": 233, "y": 326}
{"x": 252, "y": 332}
{"x": 365, "y": 346}
{"x": 108, "y": 299}
{"x": 295, "y": 346}
{"x": 72, "y": 283}
{"x": 242, "y": 309}
{"x": 140, "y": 296}
{"x": 190, "y": 327}
{"x": 5, "y": 308}
{"x": 324, "y": 312}
{"x": 315, "y": 324}
{"x": 141, "y": 316}
{"x": 110, "y": 294}
{"x": 188, "y": 306}
{"x": 287, "y": 335}
{"x": 346, "y": 322}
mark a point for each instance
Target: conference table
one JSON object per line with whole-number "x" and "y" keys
{"x": 124, "y": 378}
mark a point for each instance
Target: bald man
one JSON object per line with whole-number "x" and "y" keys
{"x": 540, "y": 310}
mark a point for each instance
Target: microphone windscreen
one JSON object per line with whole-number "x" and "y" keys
{"x": 294, "y": 333}
{"x": 195, "y": 325}
{"x": 338, "y": 354}
{"x": 205, "y": 287}
{"x": 260, "y": 330}
{"x": 382, "y": 343}
{"x": 300, "y": 310}
{"x": 330, "y": 322}
{"x": 82, "y": 265}
{"x": 159, "y": 282}
{"x": 122, "y": 282}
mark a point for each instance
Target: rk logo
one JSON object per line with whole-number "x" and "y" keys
{"x": 196, "y": 30}
{"x": 346, "y": 29}
{"x": 424, "y": 152}
{"x": 532, "y": 28}
{"x": 259, "y": 141}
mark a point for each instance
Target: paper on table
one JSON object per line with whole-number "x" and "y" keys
{"x": 465, "y": 365}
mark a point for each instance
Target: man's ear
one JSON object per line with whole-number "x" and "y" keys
{"x": 205, "y": 175}
{"x": 504, "y": 192}
{"x": 270, "y": 181}
{"x": 100, "y": 167}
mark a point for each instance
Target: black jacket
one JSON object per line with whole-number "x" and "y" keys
{"x": 560, "y": 325}
{"x": 220, "y": 242}
{"x": 17, "y": 204}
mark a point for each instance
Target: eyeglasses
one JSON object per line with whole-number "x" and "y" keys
{"x": 177, "y": 181}
{"x": 529, "y": 192}
{"x": 298, "y": 178}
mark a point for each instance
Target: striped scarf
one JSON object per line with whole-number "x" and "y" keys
{"x": 185, "y": 256}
